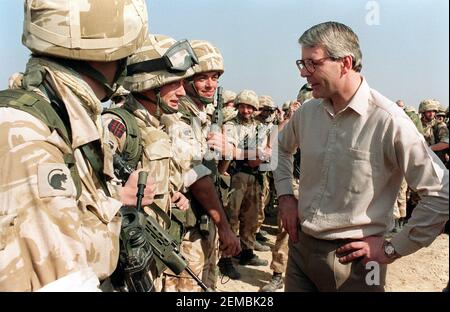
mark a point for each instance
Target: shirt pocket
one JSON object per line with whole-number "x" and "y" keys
{"x": 356, "y": 169}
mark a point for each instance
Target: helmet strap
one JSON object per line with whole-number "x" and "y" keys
{"x": 193, "y": 93}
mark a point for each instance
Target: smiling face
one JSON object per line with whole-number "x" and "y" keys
{"x": 245, "y": 111}
{"x": 206, "y": 83}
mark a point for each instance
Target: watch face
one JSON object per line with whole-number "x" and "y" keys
{"x": 389, "y": 250}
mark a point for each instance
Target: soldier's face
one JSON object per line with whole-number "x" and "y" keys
{"x": 245, "y": 111}
{"x": 206, "y": 83}
{"x": 429, "y": 115}
{"x": 325, "y": 80}
{"x": 229, "y": 104}
{"x": 172, "y": 92}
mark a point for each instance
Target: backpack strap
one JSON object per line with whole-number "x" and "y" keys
{"x": 132, "y": 151}
{"x": 37, "y": 106}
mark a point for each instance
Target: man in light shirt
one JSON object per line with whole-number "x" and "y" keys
{"x": 356, "y": 148}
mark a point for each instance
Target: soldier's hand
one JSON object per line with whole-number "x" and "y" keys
{"x": 180, "y": 201}
{"x": 219, "y": 142}
{"x": 129, "y": 190}
{"x": 288, "y": 208}
{"x": 230, "y": 245}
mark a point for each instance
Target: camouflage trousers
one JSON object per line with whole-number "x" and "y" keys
{"x": 280, "y": 250}
{"x": 245, "y": 204}
{"x": 201, "y": 255}
{"x": 400, "y": 203}
{"x": 265, "y": 193}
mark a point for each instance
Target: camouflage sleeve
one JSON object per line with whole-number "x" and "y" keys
{"x": 187, "y": 152}
{"x": 442, "y": 133}
{"x": 117, "y": 131}
{"x": 40, "y": 226}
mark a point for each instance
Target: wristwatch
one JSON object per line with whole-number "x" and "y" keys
{"x": 389, "y": 250}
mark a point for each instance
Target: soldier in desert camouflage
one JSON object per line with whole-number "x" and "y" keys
{"x": 59, "y": 207}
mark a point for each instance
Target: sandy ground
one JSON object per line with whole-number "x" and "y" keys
{"x": 426, "y": 270}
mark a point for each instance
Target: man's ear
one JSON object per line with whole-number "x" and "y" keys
{"x": 347, "y": 64}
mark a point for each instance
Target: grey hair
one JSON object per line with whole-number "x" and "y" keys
{"x": 338, "y": 40}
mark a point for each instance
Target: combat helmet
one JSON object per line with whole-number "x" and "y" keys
{"x": 85, "y": 30}
{"x": 441, "y": 111}
{"x": 304, "y": 94}
{"x": 266, "y": 101}
{"x": 161, "y": 60}
{"x": 150, "y": 68}
{"x": 248, "y": 97}
{"x": 209, "y": 59}
{"x": 76, "y": 31}
{"x": 428, "y": 105}
{"x": 228, "y": 96}
{"x": 286, "y": 106}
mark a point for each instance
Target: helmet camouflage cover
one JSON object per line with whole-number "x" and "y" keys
{"x": 266, "y": 101}
{"x": 286, "y": 105}
{"x": 209, "y": 57}
{"x": 85, "y": 30}
{"x": 429, "y": 105}
{"x": 304, "y": 94}
{"x": 228, "y": 96}
{"x": 153, "y": 48}
{"x": 248, "y": 97}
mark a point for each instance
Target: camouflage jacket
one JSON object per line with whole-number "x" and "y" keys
{"x": 46, "y": 233}
{"x": 157, "y": 157}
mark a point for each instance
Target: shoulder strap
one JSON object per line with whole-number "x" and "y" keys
{"x": 39, "y": 107}
{"x": 133, "y": 148}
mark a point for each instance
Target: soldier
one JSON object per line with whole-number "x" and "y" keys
{"x": 59, "y": 214}
{"x": 228, "y": 98}
{"x": 190, "y": 132}
{"x": 136, "y": 132}
{"x": 266, "y": 120}
{"x": 228, "y": 111}
{"x": 435, "y": 133}
{"x": 246, "y": 182}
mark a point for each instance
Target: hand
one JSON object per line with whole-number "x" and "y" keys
{"x": 129, "y": 190}
{"x": 219, "y": 142}
{"x": 370, "y": 248}
{"x": 180, "y": 201}
{"x": 288, "y": 208}
{"x": 230, "y": 245}
{"x": 264, "y": 153}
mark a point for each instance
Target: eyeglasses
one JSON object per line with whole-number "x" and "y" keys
{"x": 310, "y": 65}
{"x": 178, "y": 58}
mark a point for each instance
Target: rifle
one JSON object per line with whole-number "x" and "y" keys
{"x": 143, "y": 231}
{"x": 216, "y": 123}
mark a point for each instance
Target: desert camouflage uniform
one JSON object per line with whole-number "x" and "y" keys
{"x": 46, "y": 232}
{"x": 188, "y": 130}
{"x": 156, "y": 159}
{"x": 246, "y": 199}
{"x": 435, "y": 132}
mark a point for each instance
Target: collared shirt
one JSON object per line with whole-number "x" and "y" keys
{"x": 353, "y": 163}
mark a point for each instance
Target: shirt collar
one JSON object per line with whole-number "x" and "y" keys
{"x": 359, "y": 103}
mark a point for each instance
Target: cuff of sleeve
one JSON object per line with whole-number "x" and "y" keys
{"x": 403, "y": 245}
{"x": 195, "y": 174}
{"x": 284, "y": 188}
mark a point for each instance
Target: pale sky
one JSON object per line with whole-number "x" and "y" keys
{"x": 404, "y": 43}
